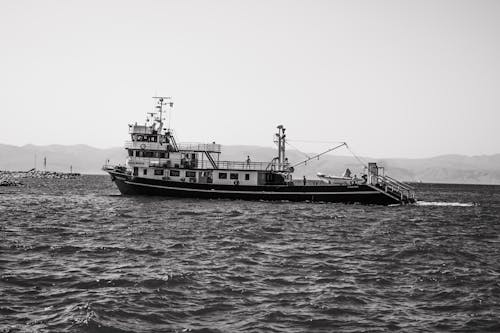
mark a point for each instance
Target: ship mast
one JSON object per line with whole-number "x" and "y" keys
{"x": 161, "y": 101}
{"x": 280, "y": 140}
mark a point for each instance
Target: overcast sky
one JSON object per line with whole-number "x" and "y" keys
{"x": 392, "y": 78}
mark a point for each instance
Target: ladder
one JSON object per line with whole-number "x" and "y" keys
{"x": 211, "y": 160}
{"x": 396, "y": 189}
{"x": 173, "y": 143}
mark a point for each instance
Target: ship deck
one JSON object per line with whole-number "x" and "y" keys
{"x": 313, "y": 192}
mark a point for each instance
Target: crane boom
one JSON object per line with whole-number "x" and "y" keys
{"x": 318, "y": 155}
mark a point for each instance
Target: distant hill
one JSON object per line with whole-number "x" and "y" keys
{"x": 83, "y": 158}
{"x": 484, "y": 169}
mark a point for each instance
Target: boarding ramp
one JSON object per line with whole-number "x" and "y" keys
{"x": 396, "y": 189}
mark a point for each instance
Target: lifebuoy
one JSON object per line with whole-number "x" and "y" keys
{"x": 143, "y": 146}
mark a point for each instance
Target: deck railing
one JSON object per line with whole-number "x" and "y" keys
{"x": 390, "y": 184}
{"x": 189, "y": 146}
{"x": 196, "y": 163}
{"x": 140, "y": 129}
{"x": 241, "y": 165}
{"x": 146, "y": 145}
{"x": 200, "y": 147}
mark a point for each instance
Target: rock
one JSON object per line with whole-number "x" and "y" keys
{"x": 8, "y": 176}
{"x": 9, "y": 182}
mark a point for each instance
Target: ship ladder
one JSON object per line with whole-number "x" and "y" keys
{"x": 173, "y": 143}
{"x": 399, "y": 191}
{"x": 211, "y": 159}
{"x": 404, "y": 192}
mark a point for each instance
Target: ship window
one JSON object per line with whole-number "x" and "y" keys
{"x": 222, "y": 175}
{"x": 162, "y": 155}
{"x": 130, "y": 153}
{"x": 158, "y": 172}
{"x": 233, "y": 176}
{"x": 175, "y": 173}
{"x": 247, "y": 176}
{"x": 190, "y": 174}
{"x": 145, "y": 172}
{"x": 149, "y": 154}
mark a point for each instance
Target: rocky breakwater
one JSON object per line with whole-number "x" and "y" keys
{"x": 11, "y": 178}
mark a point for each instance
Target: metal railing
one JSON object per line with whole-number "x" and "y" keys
{"x": 146, "y": 161}
{"x": 146, "y": 145}
{"x": 390, "y": 184}
{"x": 404, "y": 185}
{"x": 196, "y": 146}
{"x": 140, "y": 129}
{"x": 242, "y": 165}
{"x": 116, "y": 168}
{"x": 195, "y": 164}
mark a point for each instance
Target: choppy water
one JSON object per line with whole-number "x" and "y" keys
{"x": 75, "y": 256}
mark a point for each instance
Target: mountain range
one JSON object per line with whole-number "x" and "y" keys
{"x": 483, "y": 169}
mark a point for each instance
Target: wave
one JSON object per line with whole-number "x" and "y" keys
{"x": 96, "y": 263}
{"x": 444, "y": 203}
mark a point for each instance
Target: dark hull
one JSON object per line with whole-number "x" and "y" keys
{"x": 364, "y": 194}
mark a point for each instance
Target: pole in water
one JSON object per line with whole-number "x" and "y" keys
{"x": 44, "y": 163}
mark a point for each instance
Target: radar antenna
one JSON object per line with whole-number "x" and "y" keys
{"x": 161, "y": 101}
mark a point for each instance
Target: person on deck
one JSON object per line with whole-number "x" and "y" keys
{"x": 305, "y": 181}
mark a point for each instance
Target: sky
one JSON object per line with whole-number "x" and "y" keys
{"x": 392, "y": 78}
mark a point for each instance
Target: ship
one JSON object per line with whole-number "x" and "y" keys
{"x": 157, "y": 165}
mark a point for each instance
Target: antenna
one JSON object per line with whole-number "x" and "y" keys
{"x": 280, "y": 139}
{"x": 161, "y": 102}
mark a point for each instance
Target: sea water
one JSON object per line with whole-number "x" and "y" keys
{"x": 76, "y": 256}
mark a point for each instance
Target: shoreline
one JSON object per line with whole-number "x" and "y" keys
{"x": 11, "y": 178}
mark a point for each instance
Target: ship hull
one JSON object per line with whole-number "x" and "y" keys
{"x": 363, "y": 194}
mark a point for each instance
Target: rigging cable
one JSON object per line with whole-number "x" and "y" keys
{"x": 312, "y": 141}
{"x": 297, "y": 149}
{"x": 318, "y": 155}
{"x": 360, "y": 160}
